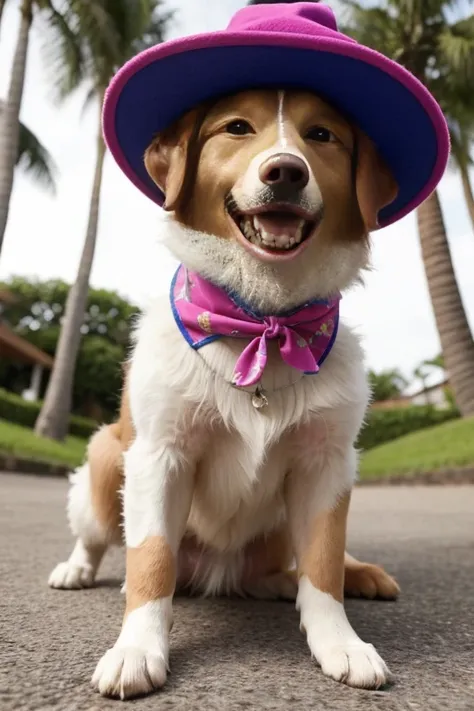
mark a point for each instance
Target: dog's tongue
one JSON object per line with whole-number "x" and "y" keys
{"x": 279, "y": 227}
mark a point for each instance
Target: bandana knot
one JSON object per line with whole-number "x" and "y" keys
{"x": 205, "y": 312}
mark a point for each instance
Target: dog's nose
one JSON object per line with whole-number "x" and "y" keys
{"x": 284, "y": 169}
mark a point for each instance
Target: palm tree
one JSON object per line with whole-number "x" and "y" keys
{"x": 2, "y": 6}
{"x": 462, "y": 139}
{"x": 33, "y": 158}
{"x": 60, "y": 39}
{"x": 386, "y": 385}
{"x": 457, "y": 101}
{"x": 420, "y": 35}
{"x": 134, "y": 25}
{"x": 9, "y": 118}
{"x": 436, "y": 362}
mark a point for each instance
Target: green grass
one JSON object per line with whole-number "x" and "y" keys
{"x": 23, "y": 442}
{"x": 450, "y": 445}
{"x": 446, "y": 446}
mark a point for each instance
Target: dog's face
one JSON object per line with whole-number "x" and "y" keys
{"x": 276, "y": 193}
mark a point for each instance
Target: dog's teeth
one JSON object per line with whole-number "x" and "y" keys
{"x": 254, "y": 231}
{"x": 247, "y": 228}
{"x": 299, "y": 232}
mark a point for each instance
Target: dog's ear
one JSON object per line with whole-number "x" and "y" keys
{"x": 166, "y": 159}
{"x": 375, "y": 185}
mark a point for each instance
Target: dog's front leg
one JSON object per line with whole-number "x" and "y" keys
{"x": 319, "y": 536}
{"x": 157, "y": 499}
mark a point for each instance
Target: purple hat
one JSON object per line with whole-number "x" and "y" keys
{"x": 292, "y": 45}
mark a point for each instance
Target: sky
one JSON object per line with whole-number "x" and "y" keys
{"x": 45, "y": 233}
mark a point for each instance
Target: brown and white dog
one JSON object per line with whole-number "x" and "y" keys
{"x": 219, "y": 496}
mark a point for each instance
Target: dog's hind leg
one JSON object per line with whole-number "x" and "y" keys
{"x": 275, "y": 586}
{"x": 368, "y": 580}
{"x": 267, "y": 574}
{"x": 94, "y": 511}
{"x": 360, "y": 580}
{"x": 271, "y": 556}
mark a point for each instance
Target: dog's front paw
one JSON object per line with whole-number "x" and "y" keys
{"x": 126, "y": 672}
{"x": 341, "y": 654}
{"x": 357, "y": 664}
{"x": 69, "y": 576}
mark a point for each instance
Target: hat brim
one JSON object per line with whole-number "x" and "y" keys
{"x": 387, "y": 102}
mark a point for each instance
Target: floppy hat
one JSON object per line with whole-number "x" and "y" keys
{"x": 292, "y": 45}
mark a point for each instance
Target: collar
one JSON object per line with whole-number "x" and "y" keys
{"x": 204, "y": 313}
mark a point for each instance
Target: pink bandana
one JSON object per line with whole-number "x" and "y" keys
{"x": 204, "y": 312}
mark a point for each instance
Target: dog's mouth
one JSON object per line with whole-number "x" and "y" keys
{"x": 276, "y": 231}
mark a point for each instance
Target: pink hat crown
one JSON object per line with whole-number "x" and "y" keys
{"x": 301, "y": 18}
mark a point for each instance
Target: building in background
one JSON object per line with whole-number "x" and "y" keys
{"x": 435, "y": 395}
{"x": 17, "y": 349}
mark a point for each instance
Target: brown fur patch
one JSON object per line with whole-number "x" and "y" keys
{"x": 323, "y": 559}
{"x": 126, "y": 430}
{"x": 362, "y": 580}
{"x": 168, "y": 159}
{"x": 151, "y": 572}
{"x": 376, "y": 186}
{"x": 368, "y": 580}
{"x": 105, "y": 457}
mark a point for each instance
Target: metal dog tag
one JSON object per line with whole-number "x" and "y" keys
{"x": 259, "y": 399}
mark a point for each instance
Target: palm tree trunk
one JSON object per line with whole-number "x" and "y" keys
{"x": 2, "y": 5}
{"x": 9, "y": 121}
{"x": 53, "y": 419}
{"x": 453, "y": 328}
{"x": 467, "y": 187}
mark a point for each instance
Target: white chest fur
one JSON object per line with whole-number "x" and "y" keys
{"x": 183, "y": 399}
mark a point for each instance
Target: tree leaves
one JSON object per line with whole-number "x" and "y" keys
{"x": 421, "y": 35}
{"x": 37, "y": 315}
{"x": 34, "y": 159}
{"x": 386, "y": 385}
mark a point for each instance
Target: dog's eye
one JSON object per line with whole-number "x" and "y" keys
{"x": 239, "y": 128}
{"x": 320, "y": 134}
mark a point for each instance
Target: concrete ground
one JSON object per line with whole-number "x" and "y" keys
{"x": 230, "y": 655}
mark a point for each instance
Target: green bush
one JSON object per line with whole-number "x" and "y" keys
{"x": 22, "y": 412}
{"x": 385, "y": 425}
{"x": 381, "y": 425}
{"x": 82, "y": 427}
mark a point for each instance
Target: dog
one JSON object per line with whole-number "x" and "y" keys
{"x": 276, "y": 146}
{"x": 220, "y": 496}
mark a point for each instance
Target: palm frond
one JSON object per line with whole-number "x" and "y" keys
{"x": 422, "y": 35}
{"x": 139, "y": 24}
{"x": 352, "y": 5}
{"x": 376, "y": 28}
{"x": 154, "y": 33}
{"x": 456, "y": 44}
{"x": 63, "y": 50}
{"x": 91, "y": 98}
{"x": 35, "y": 160}
{"x": 462, "y": 138}
{"x": 86, "y": 41}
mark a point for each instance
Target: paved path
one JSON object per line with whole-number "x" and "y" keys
{"x": 230, "y": 655}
